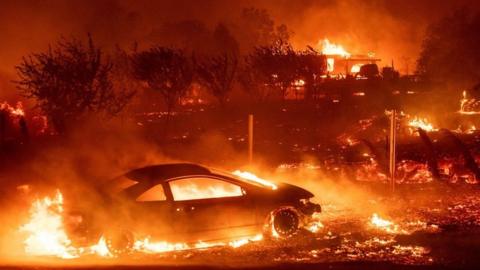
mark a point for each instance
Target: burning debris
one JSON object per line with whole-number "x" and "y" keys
{"x": 469, "y": 105}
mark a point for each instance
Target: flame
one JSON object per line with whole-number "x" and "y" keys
{"x": 332, "y": 49}
{"x": 252, "y": 177}
{"x": 189, "y": 190}
{"x": 46, "y": 236}
{"x": 315, "y": 224}
{"x": 46, "y": 232}
{"x": 299, "y": 83}
{"x": 468, "y": 105}
{"x": 162, "y": 246}
{"x": 101, "y": 248}
{"x": 356, "y": 68}
{"x": 330, "y": 64}
{"x": 421, "y": 123}
{"x": 15, "y": 111}
{"x": 385, "y": 225}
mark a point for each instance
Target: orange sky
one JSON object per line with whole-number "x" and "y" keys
{"x": 393, "y": 29}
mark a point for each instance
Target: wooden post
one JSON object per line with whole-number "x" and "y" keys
{"x": 393, "y": 135}
{"x": 250, "y": 138}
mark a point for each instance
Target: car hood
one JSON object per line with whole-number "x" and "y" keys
{"x": 292, "y": 191}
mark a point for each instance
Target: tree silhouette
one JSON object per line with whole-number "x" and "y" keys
{"x": 274, "y": 66}
{"x": 165, "y": 70}
{"x": 257, "y": 29}
{"x": 449, "y": 51}
{"x": 310, "y": 66}
{"x": 69, "y": 80}
{"x": 217, "y": 72}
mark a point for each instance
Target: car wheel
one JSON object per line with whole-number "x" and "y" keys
{"x": 284, "y": 222}
{"x": 119, "y": 241}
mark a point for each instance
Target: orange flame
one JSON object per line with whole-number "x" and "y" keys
{"x": 468, "y": 105}
{"x": 46, "y": 232}
{"x": 46, "y": 236}
{"x": 332, "y": 49}
{"x": 252, "y": 177}
{"x": 421, "y": 123}
{"x": 15, "y": 111}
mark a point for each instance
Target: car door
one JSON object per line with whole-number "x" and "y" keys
{"x": 208, "y": 208}
{"x": 153, "y": 213}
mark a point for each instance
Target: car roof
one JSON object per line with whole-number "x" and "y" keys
{"x": 166, "y": 171}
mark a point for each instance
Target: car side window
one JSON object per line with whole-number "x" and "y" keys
{"x": 196, "y": 188}
{"x": 156, "y": 193}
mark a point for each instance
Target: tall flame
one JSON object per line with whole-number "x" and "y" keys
{"x": 45, "y": 228}
{"x": 329, "y": 48}
{"x": 252, "y": 177}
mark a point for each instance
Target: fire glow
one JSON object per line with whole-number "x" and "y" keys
{"x": 331, "y": 50}
{"x": 47, "y": 236}
{"x": 385, "y": 225}
{"x": 468, "y": 105}
{"x": 252, "y": 177}
{"x": 422, "y": 123}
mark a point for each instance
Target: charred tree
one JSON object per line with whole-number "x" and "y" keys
{"x": 68, "y": 81}
{"x": 310, "y": 66}
{"x": 165, "y": 70}
{"x": 217, "y": 74}
{"x": 274, "y": 66}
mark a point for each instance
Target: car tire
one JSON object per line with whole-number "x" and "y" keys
{"x": 284, "y": 223}
{"x": 119, "y": 241}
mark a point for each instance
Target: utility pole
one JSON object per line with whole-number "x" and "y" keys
{"x": 250, "y": 138}
{"x": 393, "y": 138}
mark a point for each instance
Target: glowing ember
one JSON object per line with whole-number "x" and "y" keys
{"x": 147, "y": 246}
{"x": 252, "y": 177}
{"x": 358, "y": 94}
{"x": 299, "y": 83}
{"x": 384, "y": 225}
{"x": 157, "y": 247}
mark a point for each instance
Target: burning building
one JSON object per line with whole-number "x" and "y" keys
{"x": 341, "y": 63}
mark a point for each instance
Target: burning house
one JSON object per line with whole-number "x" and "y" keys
{"x": 340, "y": 63}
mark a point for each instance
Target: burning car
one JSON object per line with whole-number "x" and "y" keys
{"x": 191, "y": 203}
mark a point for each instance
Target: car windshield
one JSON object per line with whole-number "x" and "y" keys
{"x": 247, "y": 177}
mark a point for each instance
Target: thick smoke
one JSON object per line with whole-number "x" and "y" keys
{"x": 392, "y": 29}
